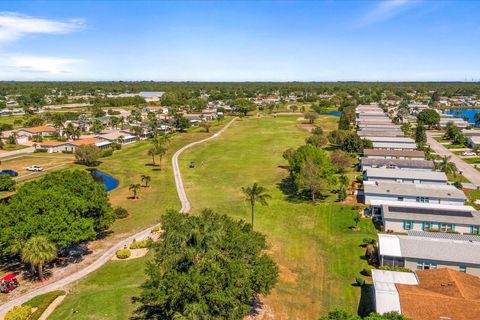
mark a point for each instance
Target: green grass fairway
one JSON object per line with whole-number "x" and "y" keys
{"x": 106, "y": 293}
{"x": 319, "y": 256}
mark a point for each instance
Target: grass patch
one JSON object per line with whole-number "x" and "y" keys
{"x": 42, "y": 302}
{"x": 13, "y": 147}
{"x": 106, "y": 293}
{"x": 319, "y": 256}
{"x": 472, "y": 160}
{"x": 455, "y": 146}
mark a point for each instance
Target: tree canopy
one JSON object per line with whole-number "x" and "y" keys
{"x": 66, "y": 207}
{"x": 206, "y": 267}
{"x": 429, "y": 117}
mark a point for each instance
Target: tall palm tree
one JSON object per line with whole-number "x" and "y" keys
{"x": 37, "y": 251}
{"x": 152, "y": 152}
{"x": 255, "y": 194}
{"x": 146, "y": 179}
{"x": 446, "y": 166}
{"x": 134, "y": 187}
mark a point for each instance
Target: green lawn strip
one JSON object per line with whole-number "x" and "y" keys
{"x": 318, "y": 253}
{"x": 472, "y": 160}
{"x": 106, "y": 293}
{"x": 42, "y": 302}
{"x": 455, "y": 146}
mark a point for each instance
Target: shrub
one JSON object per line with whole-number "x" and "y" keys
{"x": 123, "y": 253}
{"x": 40, "y": 150}
{"x": 359, "y": 282}
{"x": 367, "y": 272}
{"x": 359, "y": 178}
{"x": 106, "y": 153}
{"x": 156, "y": 229}
{"x": 42, "y": 302}
{"x": 18, "y": 313}
{"x": 120, "y": 212}
{"x": 67, "y": 151}
{"x": 6, "y": 183}
{"x": 141, "y": 244}
{"x": 399, "y": 269}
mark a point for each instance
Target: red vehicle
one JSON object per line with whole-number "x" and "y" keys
{"x": 8, "y": 283}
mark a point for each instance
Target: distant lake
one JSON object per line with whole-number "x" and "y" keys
{"x": 465, "y": 113}
{"x": 108, "y": 181}
{"x": 332, "y": 113}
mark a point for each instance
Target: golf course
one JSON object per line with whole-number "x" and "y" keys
{"x": 318, "y": 254}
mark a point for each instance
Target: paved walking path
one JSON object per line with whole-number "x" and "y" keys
{"x": 176, "y": 169}
{"x": 17, "y": 152}
{"x": 62, "y": 283}
{"x": 467, "y": 170}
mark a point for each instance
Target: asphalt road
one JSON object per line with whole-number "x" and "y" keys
{"x": 62, "y": 283}
{"x": 467, "y": 170}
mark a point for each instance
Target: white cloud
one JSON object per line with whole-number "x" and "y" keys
{"x": 36, "y": 64}
{"x": 14, "y": 26}
{"x": 386, "y": 10}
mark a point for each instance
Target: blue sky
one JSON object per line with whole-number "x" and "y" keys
{"x": 396, "y": 40}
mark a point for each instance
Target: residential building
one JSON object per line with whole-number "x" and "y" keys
{"x": 409, "y": 164}
{"x": 394, "y": 146}
{"x": 412, "y": 192}
{"x": 440, "y": 294}
{"x": 37, "y": 131}
{"x": 430, "y": 217}
{"x": 117, "y": 136}
{"x": 405, "y": 176}
{"x": 393, "y": 154}
{"x": 428, "y": 250}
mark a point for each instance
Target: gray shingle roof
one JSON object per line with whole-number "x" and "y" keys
{"x": 431, "y": 215}
{"x": 421, "y": 164}
{"x": 414, "y": 189}
{"x": 406, "y": 174}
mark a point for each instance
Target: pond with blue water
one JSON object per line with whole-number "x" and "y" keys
{"x": 332, "y": 113}
{"x": 108, "y": 181}
{"x": 468, "y": 114}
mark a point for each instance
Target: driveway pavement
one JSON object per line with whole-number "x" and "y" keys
{"x": 466, "y": 169}
{"x": 17, "y": 152}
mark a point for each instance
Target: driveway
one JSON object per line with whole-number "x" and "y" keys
{"x": 62, "y": 283}
{"x": 467, "y": 170}
{"x": 17, "y": 152}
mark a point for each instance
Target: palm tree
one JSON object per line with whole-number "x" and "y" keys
{"x": 255, "y": 194}
{"x": 152, "y": 152}
{"x": 37, "y": 251}
{"x": 446, "y": 166}
{"x": 146, "y": 179}
{"x": 134, "y": 187}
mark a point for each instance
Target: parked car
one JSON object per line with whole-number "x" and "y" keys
{"x": 469, "y": 153}
{"x": 34, "y": 168}
{"x": 10, "y": 172}
{"x": 8, "y": 283}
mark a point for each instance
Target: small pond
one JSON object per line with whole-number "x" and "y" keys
{"x": 108, "y": 181}
{"x": 465, "y": 113}
{"x": 332, "y": 113}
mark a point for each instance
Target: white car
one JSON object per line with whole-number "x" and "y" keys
{"x": 469, "y": 153}
{"x": 34, "y": 168}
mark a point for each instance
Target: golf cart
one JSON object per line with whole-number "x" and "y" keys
{"x": 8, "y": 283}
{"x": 192, "y": 164}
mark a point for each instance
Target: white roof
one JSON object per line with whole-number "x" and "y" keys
{"x": 475, "y": 139}
{"x": 389, "y": 245}
{"x": 411, "y": 204}
{"x": 373, "y": 173}
{"x": 390, "y": 139}
{"x": 104, "y": 143}
{"x": 394, "y": 145}
{"x": 386, "y": 294}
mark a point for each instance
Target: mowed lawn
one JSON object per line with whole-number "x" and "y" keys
{"x": 319, "y": 256}
{"x": 106, "y": 293}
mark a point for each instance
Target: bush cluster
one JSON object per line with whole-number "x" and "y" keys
{"x": 40, "y": 150}
{"x": 123, "y": 253}
{"x": 141, "y": 244}
{"x": 120, "y": 212}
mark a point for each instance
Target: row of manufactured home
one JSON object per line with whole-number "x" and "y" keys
{"x": 420, "y": 212}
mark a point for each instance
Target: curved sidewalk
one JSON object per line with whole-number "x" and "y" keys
{"x": 62, "y": 283}
{"x": 176, "y": 169}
